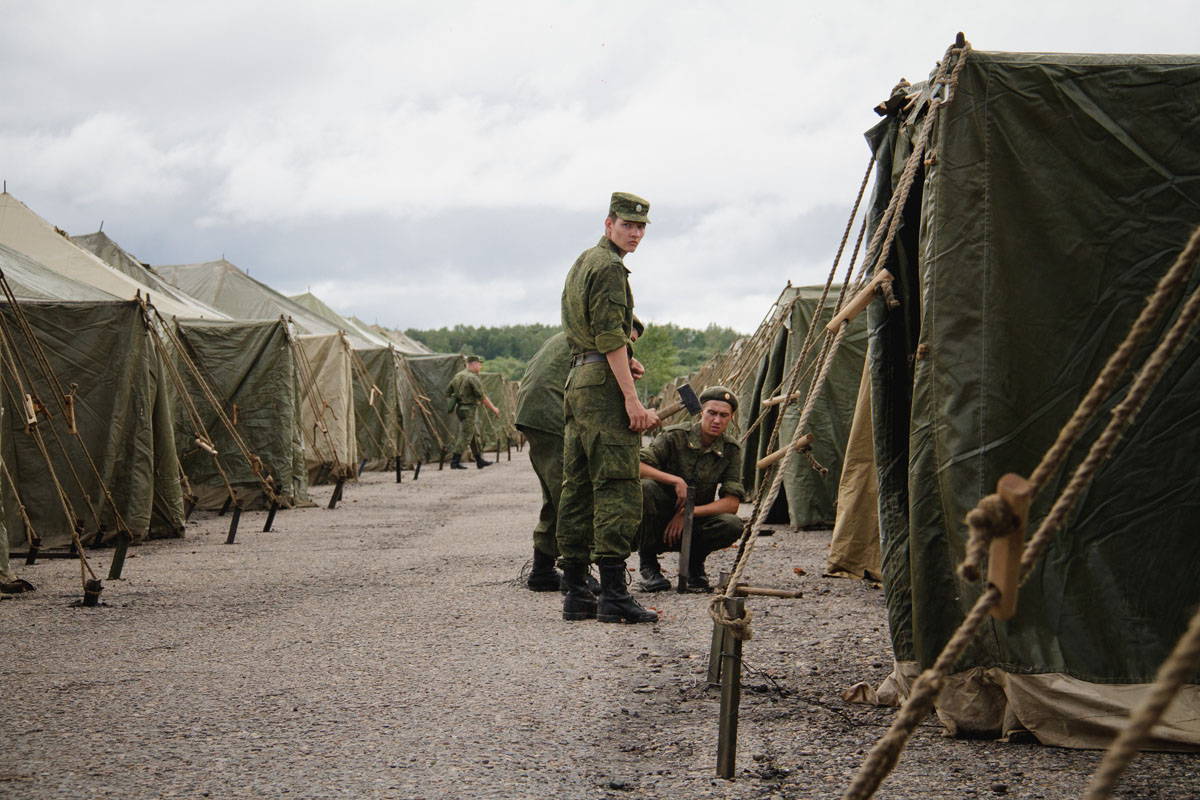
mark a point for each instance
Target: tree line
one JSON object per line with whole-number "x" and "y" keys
{"x": 666, "y": 350}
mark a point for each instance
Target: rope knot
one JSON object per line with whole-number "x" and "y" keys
{"x": 740, "y": 628}
{"x": 991, "y": 519}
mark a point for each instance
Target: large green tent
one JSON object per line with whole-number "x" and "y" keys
{"x": 103, "y": 352}
{"x": 251, "y": 371}
{"x": 428, "y": 425}
{"x": 322, "y": 355}
{"x": 1057, "y": 190}
{"x": 807, "y": 496}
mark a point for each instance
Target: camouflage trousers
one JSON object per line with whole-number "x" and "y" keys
{"x": 466, "y": 430}
{"x": 601, "y": 503}
{"x": 546, "y": 456}
{"x": 708, "y": 533}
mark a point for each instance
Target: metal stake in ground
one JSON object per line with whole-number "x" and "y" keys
{"x": 685, "y": 541}
{"x": 118, "y": 562}
{"x": 731, "y": 692}
{"x": 271, "y": 516}
{"x": 337, "y": 492}
{"x": 233, "y": 522}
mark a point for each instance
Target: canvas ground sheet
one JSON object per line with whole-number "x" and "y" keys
{"x": 122, "y": 412}
{"x": 807, "y": 498}
{"x": 250, "y": 369}
{"x": 1059, "y": 190}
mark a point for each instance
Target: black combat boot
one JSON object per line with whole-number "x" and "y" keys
{"x": 651, "y": 572}
{"x": 697, "y": 577}
{"x": 593, "y": 585}
{"x": 579, "y": 603}
{"x": 480, "y": 463}
{"x": 543, "y": 577}
{"x": 616, "y": 604}
{"x": 456, "y": 462}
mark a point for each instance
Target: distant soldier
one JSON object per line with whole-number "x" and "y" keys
{"x": 601, "y": 504}
{"x": 539, "y": 416}
{"x": 466, "y": 389}
{"x": 700, "y": 455}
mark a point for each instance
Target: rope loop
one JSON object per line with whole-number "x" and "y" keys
{"x": 739, "y": 627}
{"x": 992, "y": 519}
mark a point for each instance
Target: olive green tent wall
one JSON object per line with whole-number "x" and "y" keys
{"x": 377, "y": 406}
{"x": 123, "y": 414}
{"x": 429, "y": 426}
{"x": 807, "y": 498}
{"x": 327, "y": 407}
{"x": 1058, "y": 191}
{"x": 250, "y": 369}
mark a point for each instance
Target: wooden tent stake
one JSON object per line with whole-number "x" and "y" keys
{"x": 1004, "y": 557}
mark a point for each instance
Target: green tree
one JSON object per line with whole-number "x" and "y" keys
{"x": 659, "y": 356}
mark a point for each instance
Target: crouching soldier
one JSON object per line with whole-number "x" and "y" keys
{"x": 699, "y": 455}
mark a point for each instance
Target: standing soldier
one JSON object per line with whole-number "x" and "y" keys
{"x": 601, "y": 504}
{"x": 467, "y": 390}
{"x": 540, "y": 417}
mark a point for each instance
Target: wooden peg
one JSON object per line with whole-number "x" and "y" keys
{"x": 70, "y": 405}
{"x": 1004, "y": 558}
{"x": 780, "y": 398}
{"x": 860, "y": 301}
{"x": 205, "y": 446}
{"x": 804, "y": 442}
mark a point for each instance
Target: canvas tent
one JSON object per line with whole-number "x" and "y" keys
{"x": 27, "y": 233}
{"x": 322, "y": 356}
{"x": 428, "y": 425}
{"x": 376, "y": 388}
{"x": 1057, "y": 191}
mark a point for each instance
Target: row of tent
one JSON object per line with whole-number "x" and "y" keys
{"x": 133, "y": 394}
{"x": 1055, "y": 193}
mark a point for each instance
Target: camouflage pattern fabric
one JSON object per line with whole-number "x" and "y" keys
{"x": 546, "y": 456}
{"x": 466, "y": 430}
{"x": 601, "y": 503}
{"x": 679, "y": 450}
{"x": 597, "y": 303}
{"x": 467, "y": 387}
{"x": 539, "y": 415}
{"x": 708, "y": 533}
{"x": 540, "y": 398}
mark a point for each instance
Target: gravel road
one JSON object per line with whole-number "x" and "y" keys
{"x": 386, "y": 649}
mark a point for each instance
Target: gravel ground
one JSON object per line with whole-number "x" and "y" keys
{"x": 386, "y": 649}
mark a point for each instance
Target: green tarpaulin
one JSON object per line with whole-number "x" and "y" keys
{"x": 1058, "y": 190}
{"x": 249, "y": 368}
{"x": 122, "y": 410}
{"x": 807, "y": 497}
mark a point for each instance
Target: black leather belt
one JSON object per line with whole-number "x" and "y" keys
{"x": 590, "y": 357}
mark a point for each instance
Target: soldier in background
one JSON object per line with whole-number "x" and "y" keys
{"x": 601, "y": 504}
{"x": 700, "y": 455}
{"x": 466, "y": 390}
{"x": 539, "y": 416}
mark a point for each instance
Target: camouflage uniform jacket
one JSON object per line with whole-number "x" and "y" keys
{"x": 467, "y": 388}
{"x": 597, "y": 303}
{"x": 679, "y": 450}
{"x": 540, "y": 398}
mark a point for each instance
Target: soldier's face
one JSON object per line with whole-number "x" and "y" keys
{"x": 624, "y": 234}
{"x": 714, "y": 417}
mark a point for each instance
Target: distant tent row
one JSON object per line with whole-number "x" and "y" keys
{"x": 219, "y": 389}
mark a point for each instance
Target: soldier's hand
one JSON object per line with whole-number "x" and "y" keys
{"x": 641, "y": 419}
{"x": 636, "y": 369}
{"x": 496, "y": 410}
{"x": 680, "y": 494}
{"x": 674, "y": 530}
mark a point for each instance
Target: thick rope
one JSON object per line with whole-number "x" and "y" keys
{"x": 883, "y": 756}
{"x": 1172, "y": 675}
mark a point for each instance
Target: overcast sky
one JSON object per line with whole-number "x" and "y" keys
{"x": 428, "y": 164}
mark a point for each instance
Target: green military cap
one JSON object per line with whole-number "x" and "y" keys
{"x": 719, "y": 393}
{"x": 639, "y": 326}
{"x": 629, "y": 207}
{"x": 474, "y": 358}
